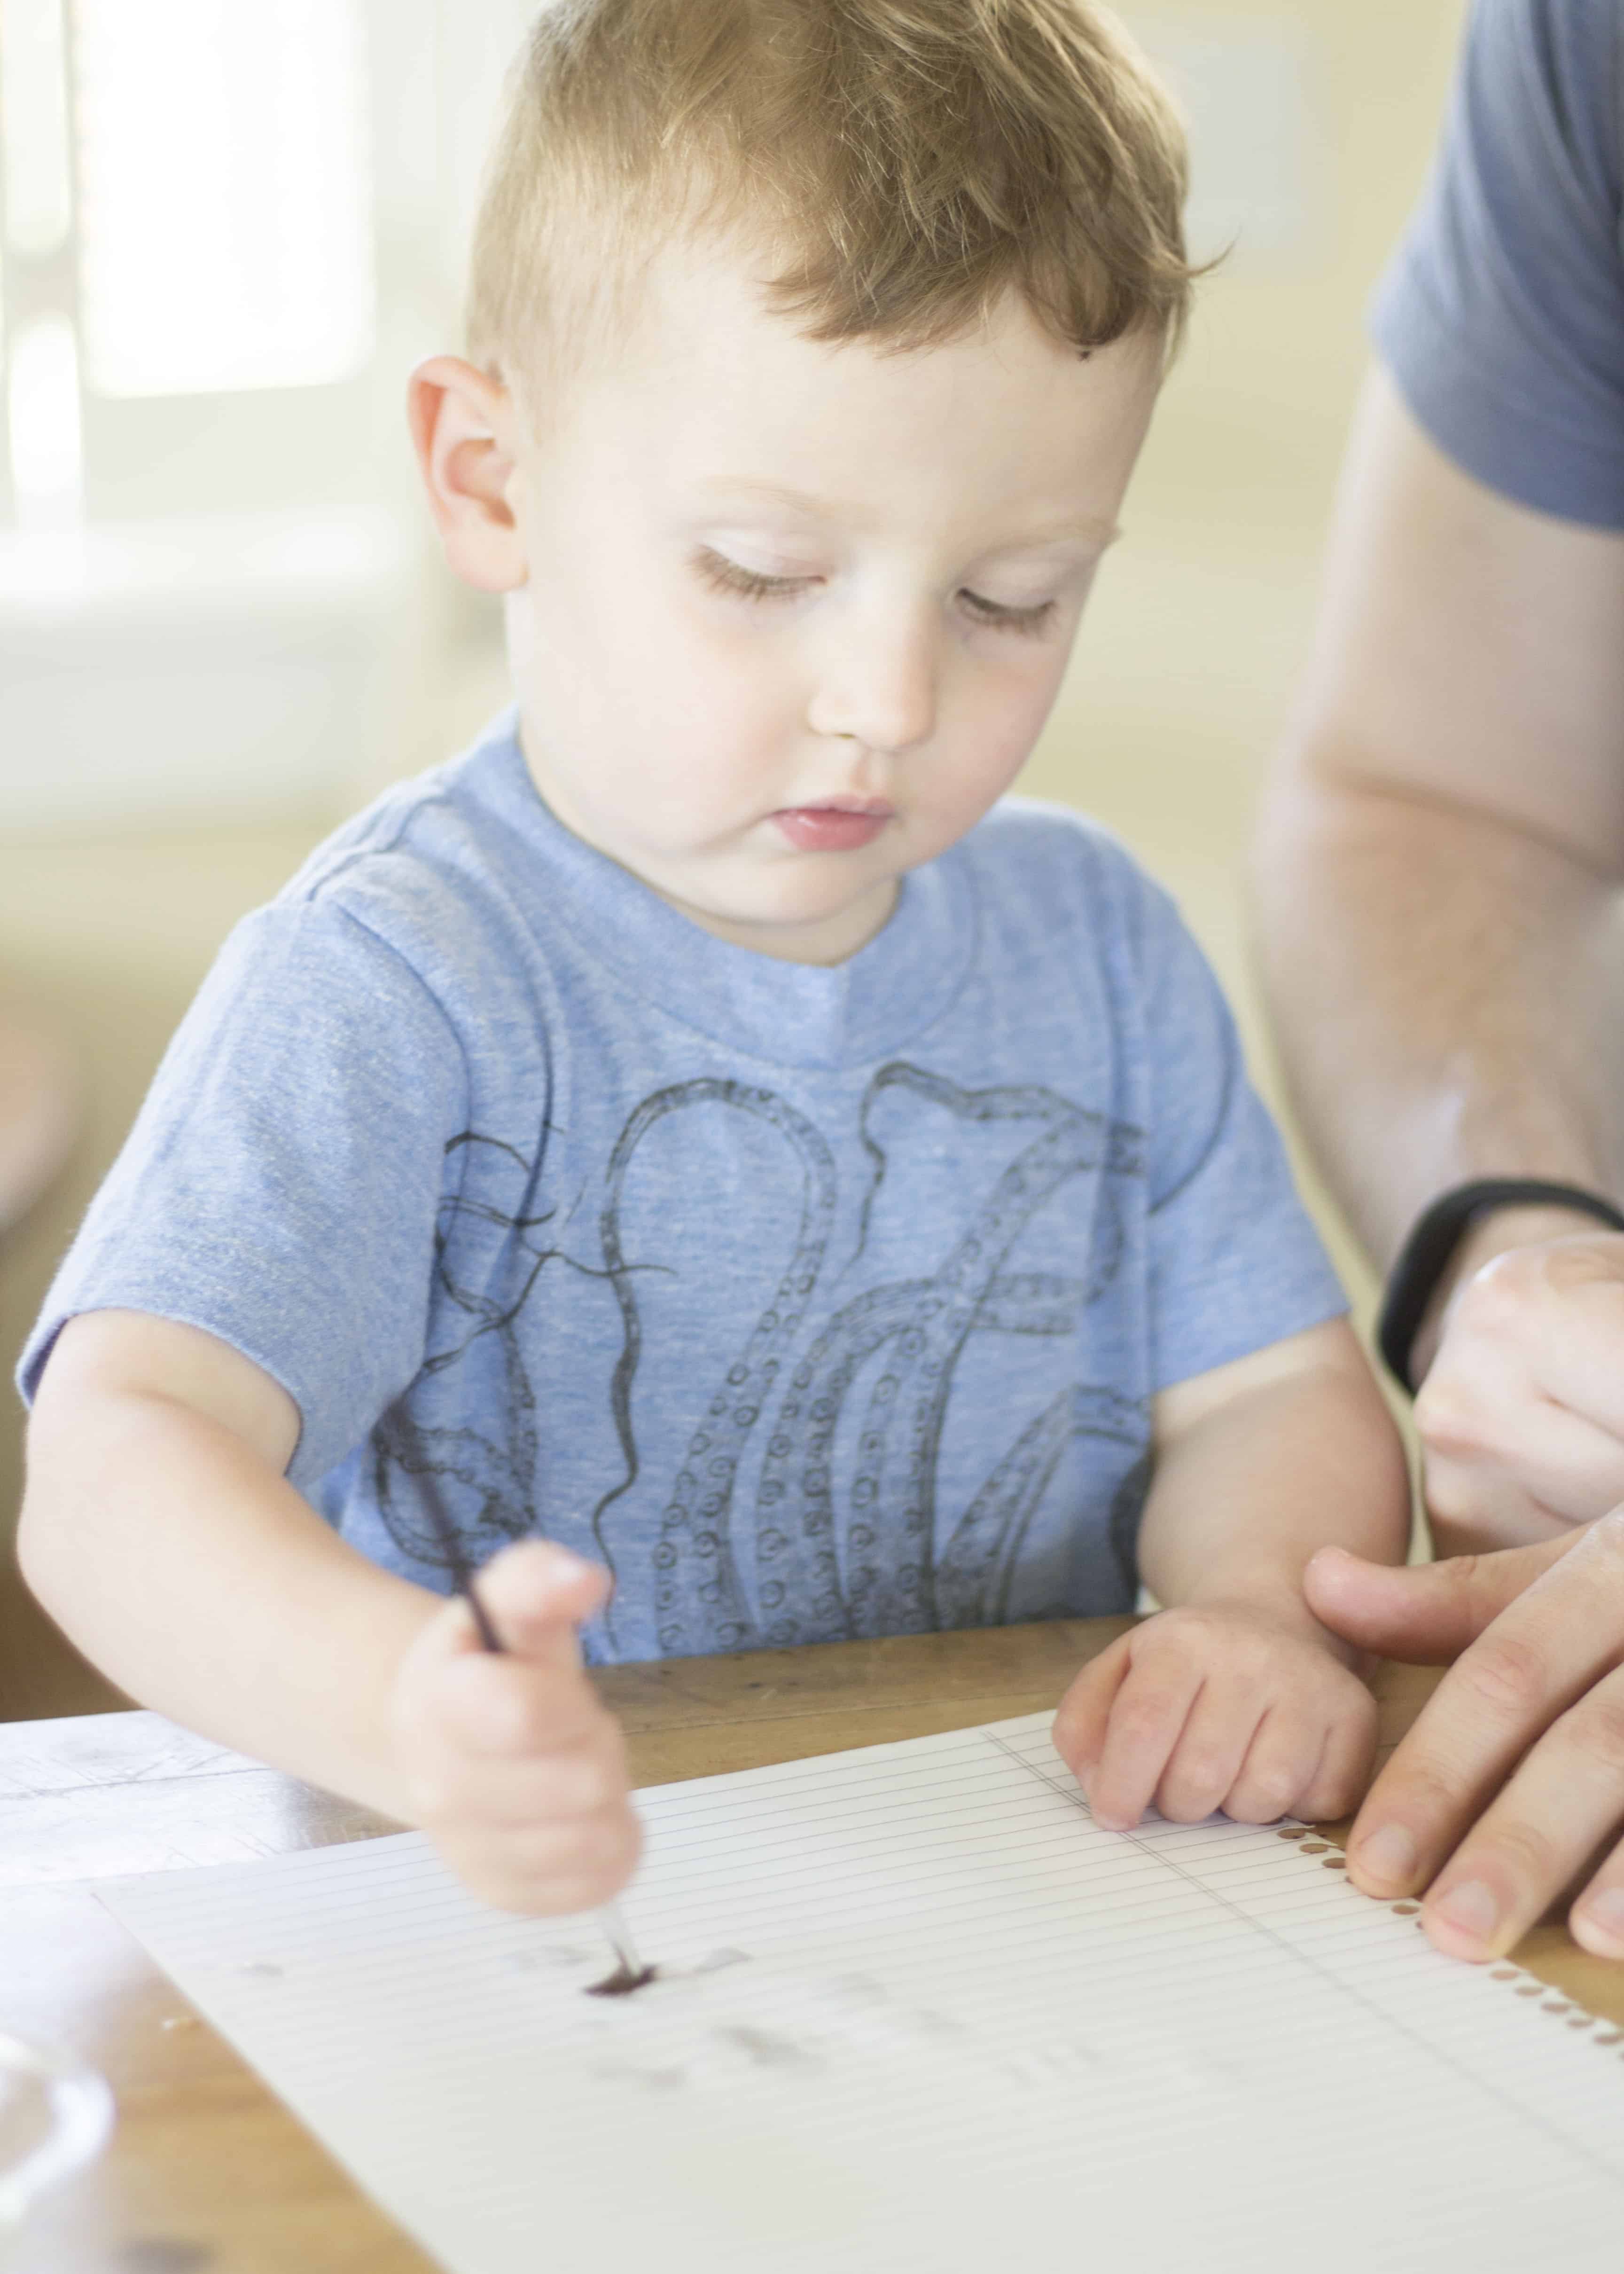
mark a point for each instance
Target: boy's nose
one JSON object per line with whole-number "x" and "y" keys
{"x": 882, "y": 694}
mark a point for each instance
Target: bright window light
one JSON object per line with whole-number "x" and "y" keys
{"x": 43, "y": 408}
{"x": 34, "y": 127}
{"x": 224, "y": 213}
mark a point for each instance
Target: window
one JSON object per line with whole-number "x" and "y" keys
{"x": 185, "y": 215}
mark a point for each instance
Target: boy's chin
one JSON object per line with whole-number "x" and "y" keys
{"x": 791, "y": 916}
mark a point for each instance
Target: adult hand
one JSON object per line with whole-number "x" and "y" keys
{"x": 1511, "y": 1785}
{"x": 1521, "y": 1415}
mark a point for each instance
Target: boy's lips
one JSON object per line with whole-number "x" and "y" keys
{"x": 836, "y": 824}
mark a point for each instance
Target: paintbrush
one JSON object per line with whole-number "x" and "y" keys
{"x": 629, "y": 1973}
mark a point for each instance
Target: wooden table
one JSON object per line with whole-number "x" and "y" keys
{"x": 208, "y": 2171}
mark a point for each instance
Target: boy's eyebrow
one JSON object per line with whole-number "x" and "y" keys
{"x": 1090, "y": 527}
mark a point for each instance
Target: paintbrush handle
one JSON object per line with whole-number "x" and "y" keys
{"x": 609, "y": 1916}
{"x": 612, "y": 1921}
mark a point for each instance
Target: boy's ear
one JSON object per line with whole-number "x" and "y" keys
{"x": 464, "y": 424}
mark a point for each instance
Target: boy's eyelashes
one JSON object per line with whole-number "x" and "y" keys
{"x": 726, "y": 576}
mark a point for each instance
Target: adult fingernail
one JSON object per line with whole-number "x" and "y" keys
{"x": 1389, "y": 1855}
{"x": 1605, "y": 1913}
{"x": 1472, "y": 1908}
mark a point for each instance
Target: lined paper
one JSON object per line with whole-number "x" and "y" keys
{"x": 916, "y": 2011}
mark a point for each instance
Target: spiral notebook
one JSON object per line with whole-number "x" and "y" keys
{"x": 915, "y": 2011}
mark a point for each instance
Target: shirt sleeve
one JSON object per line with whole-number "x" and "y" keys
{"x": 1501, "y": 318}
{"x": 281, "y": 1187}
{"x": 1234, "y": 1262}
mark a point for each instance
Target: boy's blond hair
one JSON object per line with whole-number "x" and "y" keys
{"x": 905, "y": 162}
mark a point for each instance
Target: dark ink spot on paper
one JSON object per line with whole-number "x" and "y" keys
{"x": 622, "y": 1981}
{"x": 1291, "y": 1832}
{"x": 1334, "y": 1864}
{"x": 1406, "y": 1910}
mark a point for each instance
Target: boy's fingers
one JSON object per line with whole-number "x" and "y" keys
{"x": 1085, "y": 1711}
{"x": 536, "y": 1594}
{"x": 581, "y": 1774}
{"x": 1207, "y": 1758}
{"x": 516, "y": 1708}
{"x": 548, "y": 1876}
{"x": 1337, "y": 1785}
{"x": 1279, "y": 1761}
{"x": 1148, "y": 1717}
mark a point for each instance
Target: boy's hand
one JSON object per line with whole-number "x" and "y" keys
{"x": 1219, "y": 1707}
{"x": 515, "y": 1769}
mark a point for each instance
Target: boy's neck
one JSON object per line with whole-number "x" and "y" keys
{"x": 824, "y": 942}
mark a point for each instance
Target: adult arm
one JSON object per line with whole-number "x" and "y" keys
{"x": 1441, "y": 855}
{"x": 1439, "y": 897}
{"x": 1439, "y": 894}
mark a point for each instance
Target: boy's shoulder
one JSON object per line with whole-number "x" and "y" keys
{"x": 438, "y": 835}
{"x": 434, "y": 872}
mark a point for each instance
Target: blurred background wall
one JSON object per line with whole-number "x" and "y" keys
{"x": 226, "y": 234}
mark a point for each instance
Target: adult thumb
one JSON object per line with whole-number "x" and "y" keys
{"x": 535, "y": 1595}
{"x": 1425, "y": 1614}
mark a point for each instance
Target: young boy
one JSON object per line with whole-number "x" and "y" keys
{"x": 778, "y": 1175}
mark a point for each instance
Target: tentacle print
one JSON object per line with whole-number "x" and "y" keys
{"x": 490, "y": 1485}
{"x": 891, "y": 1590}
{"x": 699, "y": 1602}
{"x": 978, "y": 1565}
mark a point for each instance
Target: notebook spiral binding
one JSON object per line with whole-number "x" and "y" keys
{"x": 1608, "y": 2035}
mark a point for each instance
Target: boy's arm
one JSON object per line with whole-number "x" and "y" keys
{"x": 159, "y": 1529}
{"x": 1236, "y": 1697}
{"x": 1262, "y": 1463}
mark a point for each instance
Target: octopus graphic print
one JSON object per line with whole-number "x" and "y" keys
{"x": 805, "y": 1503}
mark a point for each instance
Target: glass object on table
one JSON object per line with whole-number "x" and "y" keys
{"x": 55, "y": 2116}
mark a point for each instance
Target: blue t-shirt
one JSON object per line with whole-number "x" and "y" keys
{"x": 816, "y": 1302}
{"x": 1501, "y": 319}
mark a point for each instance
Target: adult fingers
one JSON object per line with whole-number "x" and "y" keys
{"x": 1597, "y": 1918}
{"x": 1148, "y": 1716}
{"x": 1511, "y": 1464}
{"x": 1560, "y": 1806}
{"x": 1480, "y": 1507}
{"x": 1425, "y": 1614}
{"x": 1559, "y": 1305}
{"x": 1528, "y": 1666}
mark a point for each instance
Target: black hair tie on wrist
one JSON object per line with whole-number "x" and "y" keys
{"x": 1425, "y": 1256}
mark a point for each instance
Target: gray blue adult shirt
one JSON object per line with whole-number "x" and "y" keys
{"x": 1501, "y": 320}
{"x": 816, "y": 1302}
